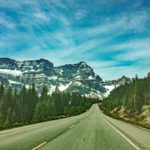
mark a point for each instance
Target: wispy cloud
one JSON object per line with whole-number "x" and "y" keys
{"x": 113, "y": 42}
{"x": 80, "y": 14}
{"x": 58, "y": 3}
{"x": 42, "y": 16}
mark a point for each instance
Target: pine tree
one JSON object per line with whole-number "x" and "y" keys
{"x": 44, "y": 94}
{"x": 33, "y": 99}
{"x": 1, "y": 90}
{"x": 66, "y": 110}
{"x": 138, "y": 99}
{"x": 21, "y": 105}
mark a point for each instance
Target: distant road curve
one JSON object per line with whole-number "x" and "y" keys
{"x": 92, "y": 130}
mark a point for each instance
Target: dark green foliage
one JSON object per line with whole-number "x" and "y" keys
{"x": 26, "y": 107}
{"x": 132, "y": 96}
{"x": 1, "y": 90}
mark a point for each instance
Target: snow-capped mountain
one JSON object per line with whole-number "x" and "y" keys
{"x": 78, "y": 77}
{"x": 110, "y": 85}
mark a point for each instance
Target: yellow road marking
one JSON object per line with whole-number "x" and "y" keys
{"x": 71, "y": 126}
{"x": 39, "y": 146}
{"x": 81, "y": 120}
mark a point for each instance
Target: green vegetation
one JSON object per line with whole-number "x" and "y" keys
{"x": 26, "y": 107}
{"x": 127, "y": 101}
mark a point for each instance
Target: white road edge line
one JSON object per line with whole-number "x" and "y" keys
{"x": 127, "y": 139}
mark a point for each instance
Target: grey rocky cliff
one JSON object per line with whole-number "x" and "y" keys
{"x": 78, "y": 77}
{"x": 70, "y": 78}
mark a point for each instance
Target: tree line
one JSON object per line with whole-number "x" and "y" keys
{"x": 132, "y": 96}
{"x": 26, "y": 106}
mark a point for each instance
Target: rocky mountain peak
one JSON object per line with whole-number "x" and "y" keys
{"x": 124, "y": 80}
{"x": 83, "y": 63}
{"x": 71, "y": 78}
{"x": 38, "y": 61}
{"x": 7, "y": 60}
{"x": 35, "y": 62}
{"x": 6, "y": 63}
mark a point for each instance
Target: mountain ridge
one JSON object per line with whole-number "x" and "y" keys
{"x": 79, "y": 77}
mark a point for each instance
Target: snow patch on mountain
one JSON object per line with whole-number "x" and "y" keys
{"x": 27, "y": 86}
{"x": 64, "y": 87}
{"x": 52, "y": 89}
{"x": 78, "y": 77}
{"x": 11, "y": 72}
{"x": 90, "y": 78}
{"x": 52, "y": 78}
{"x": 13, "y": 82}
{"x": 40, "y": 75}
{"x": 94, "y": 95}
{"x": 77, "y": 83}
{"x": 109, "y": 89}
{"x": 61, "y": 71}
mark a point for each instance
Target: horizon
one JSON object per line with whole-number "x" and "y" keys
{"x": 110, "y": 36}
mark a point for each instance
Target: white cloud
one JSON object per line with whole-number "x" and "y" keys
{"x": 102, "y": 64}
{"x": 133, "y": 50}
{"x": 58, "y": 3}
{"x": 6, "y": 22}
{"x": 121, "y": 24}
{"x": 134, "y": 44}
{"x": 9, "y": 4}
{"x": 42, "y": 16}
{"x": 69, "y": 44}
{"x": 64, "y": 20}
{"x": 134, "y": 55}
{"x": 80, "y": 14}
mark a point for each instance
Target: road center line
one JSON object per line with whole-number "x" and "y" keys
{"x": 39, "y": 146}
{"x": 71, "y": 126}
{"x": 127, "y": 139}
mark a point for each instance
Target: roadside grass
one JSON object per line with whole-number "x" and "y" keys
{"x": 128, "y": 120}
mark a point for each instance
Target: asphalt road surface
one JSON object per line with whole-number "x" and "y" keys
{"x": 89, "y": 131}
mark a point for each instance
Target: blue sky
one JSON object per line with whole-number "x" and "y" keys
{"x": 112, "y": 36}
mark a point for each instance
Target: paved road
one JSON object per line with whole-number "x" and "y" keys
{"x": 90, "y": 131}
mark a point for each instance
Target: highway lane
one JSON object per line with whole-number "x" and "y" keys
{"x": 92, "y": 133}
{"x": 89, "y": 131}
{"x": 137, "y": 134}
{"x": 28, "y": 137}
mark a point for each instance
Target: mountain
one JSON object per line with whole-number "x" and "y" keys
{"x": 78, "y": 77}
{"x": 112, "y": 84}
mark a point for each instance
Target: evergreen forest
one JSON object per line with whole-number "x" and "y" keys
{"x": 26, "y": 106}
{"x": 132, "y": 97}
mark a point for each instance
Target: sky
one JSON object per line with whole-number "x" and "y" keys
{"x": 112, "y": 36}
